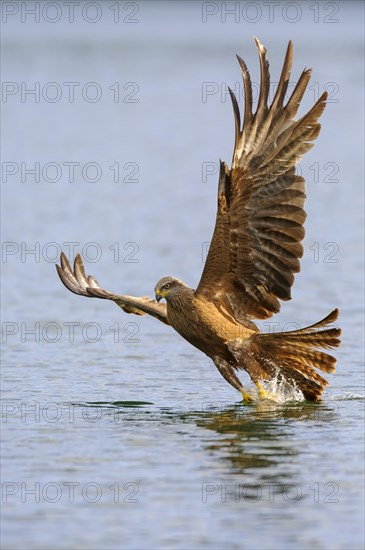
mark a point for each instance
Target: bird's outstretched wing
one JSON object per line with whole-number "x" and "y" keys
{"x": 256, "y": 244}
{"x": 79, "y": 283}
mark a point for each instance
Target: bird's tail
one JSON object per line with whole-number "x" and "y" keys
{"x": 294, "y": 355}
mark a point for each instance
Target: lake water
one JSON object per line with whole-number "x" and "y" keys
{"x": 116, "y": 433}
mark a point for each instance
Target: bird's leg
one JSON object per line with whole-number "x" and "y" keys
{"x": 228, "y": 374}
{"x": 263, "y": 394}
{"x": 246, "y": 396}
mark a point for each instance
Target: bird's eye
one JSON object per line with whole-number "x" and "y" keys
{"x": 167, "y": 286}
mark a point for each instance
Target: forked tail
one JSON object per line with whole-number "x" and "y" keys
{"x": 294, "y": 355}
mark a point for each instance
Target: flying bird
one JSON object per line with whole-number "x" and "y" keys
{"x": 253, "y": 254}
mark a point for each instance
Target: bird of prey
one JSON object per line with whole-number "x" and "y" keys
{"x": 254, "y": 251}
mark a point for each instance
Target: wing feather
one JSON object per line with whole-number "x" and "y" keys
{"x": 79, "y": 283}
{"x": 256, "y": 245}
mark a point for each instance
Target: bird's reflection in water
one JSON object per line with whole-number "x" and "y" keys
{"x": 261, "y": 438}
{"x": 260, "y": 442}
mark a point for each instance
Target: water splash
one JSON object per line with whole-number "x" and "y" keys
{"x": 279, "y": 390}
{"x": 346, "y": 396}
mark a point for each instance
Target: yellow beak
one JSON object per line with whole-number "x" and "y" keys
{"x": 159, "y": 295}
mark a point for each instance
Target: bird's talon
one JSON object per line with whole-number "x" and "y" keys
{"x": 263, "y": 394}
{"x": 246, "y": 396}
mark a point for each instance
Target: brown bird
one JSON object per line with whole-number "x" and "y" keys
{"x": 254, "y": 252}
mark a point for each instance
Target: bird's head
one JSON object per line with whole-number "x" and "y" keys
{"x": 167, "y": 287}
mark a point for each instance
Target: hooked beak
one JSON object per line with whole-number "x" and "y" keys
{"x": 158, "y": 296}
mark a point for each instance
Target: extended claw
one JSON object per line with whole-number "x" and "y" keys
{"x": 246, "y": 396}
{"x": 263, "y": 394}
